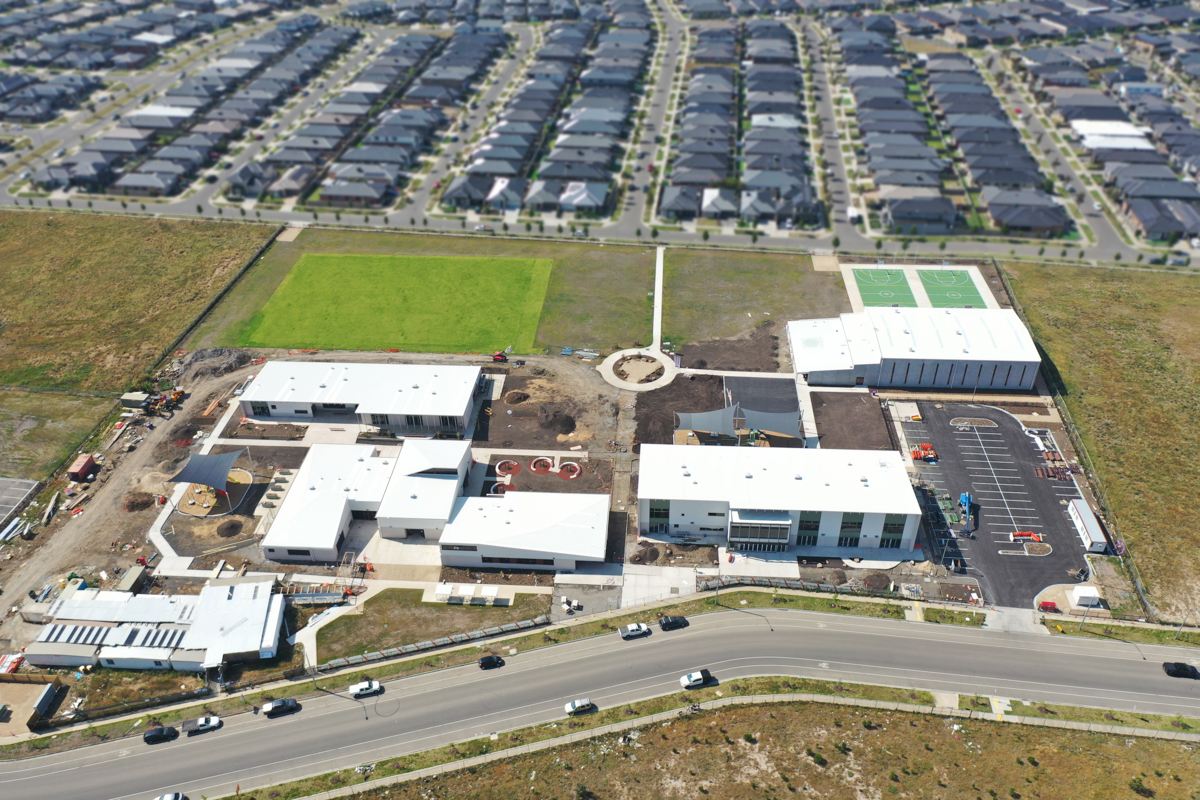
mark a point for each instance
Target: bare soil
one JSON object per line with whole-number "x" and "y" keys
{"x": 659, "y": 554}
{"x": 497, "y": 577}
{"x": 594, "y": 477}
{"x": 850, "y": 421}
{"x": 656, "y": 409}
{"x": 236, "y": 429}
{"x": 553, "y": 407}
{"x": 757, "y": 350}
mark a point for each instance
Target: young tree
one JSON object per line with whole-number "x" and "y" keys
{"x": 837, "y": 242}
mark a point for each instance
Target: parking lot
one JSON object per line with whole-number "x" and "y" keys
{"x": 987, "y": 452}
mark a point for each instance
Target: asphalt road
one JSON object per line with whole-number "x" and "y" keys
{"x": 426, "y": 711}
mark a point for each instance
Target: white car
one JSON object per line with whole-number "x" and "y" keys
{"x": 172, "y": 796}
{"x": 694, "y": 680}
{"x": 1096, "y": 205}
{"x": 483, "y": 228}
{"x": 366, "y": 688}
{"x": 634, "y": 631}
{"x": 578, "y": 706}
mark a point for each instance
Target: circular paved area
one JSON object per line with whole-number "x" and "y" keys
{"x": 608, "y": 370}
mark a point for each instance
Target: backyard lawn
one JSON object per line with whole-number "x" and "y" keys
{"x": 1127, "y": 347}
{"x": 415, "y": 303}
{"x": 397, "y": 617}
{"x": 90, "y": 301}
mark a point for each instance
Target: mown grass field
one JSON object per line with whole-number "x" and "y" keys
{"x": 1127, "y": 347}
{"x": 711, "y": 294}
{"x": 778, "y": 750}
{"x": 89, "y": 300}
{"x": 596, "y": 295}
{"x": 39, "y": 429}
{"x": 419, "y": 303}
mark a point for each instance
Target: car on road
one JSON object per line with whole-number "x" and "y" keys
{"x": 671, "y": 623}
{"x": 1096, "y": 206}
{"x": 200, "y": 725}
{"x": 634, "y": 630}
{"x": 694, "y": 680}
{"x": 172, "y": 796}
{"x": 578, "y": 706}
{"x": 1178, "y": 669}
{"x": 366, "y": 688}
{"x": 161, "y": 734}
{"x": 210, "y": 178}
{"x": 483, "y": 228}
{"x": 491, "y": 662}
{"x": 284, "y": 705}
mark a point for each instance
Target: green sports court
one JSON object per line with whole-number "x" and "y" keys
{"x": 950, "y": 288}
{"x": 884, "y": 287}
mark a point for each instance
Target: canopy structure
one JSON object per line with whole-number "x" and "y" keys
{"x": 785, "y": 422}
{"x": 726, "y": 421}
{"x": 719, "y": 421}
{"x": 209, "y": 470}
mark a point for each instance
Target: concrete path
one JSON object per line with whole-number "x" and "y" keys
{"x": 1014, "y": 620}
{"x": 659, "y": 253}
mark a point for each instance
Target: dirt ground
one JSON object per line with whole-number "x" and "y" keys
{"x": 236, "y": 429}
{"x": 553, "y": 407}
{"x": 757, "y": 350}
{"x": 673, "y": 555}
{"x": 502, "y": 577}
{"x": 850, "y": 421}
{"x": 656, "y": 409}
{"x": 595, "y": 477}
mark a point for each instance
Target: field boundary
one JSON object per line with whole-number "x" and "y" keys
{"x": 535, "y": 301}
{"x": 747, "y": 700}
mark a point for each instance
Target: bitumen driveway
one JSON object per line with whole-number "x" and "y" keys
{"x": 996, "y": 464}
{"x": 334, "y": 731}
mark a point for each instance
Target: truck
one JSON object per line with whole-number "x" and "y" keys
{"x": 200, "y": 725}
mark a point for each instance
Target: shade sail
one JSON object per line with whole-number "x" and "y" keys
{"x": 208, "y": 470}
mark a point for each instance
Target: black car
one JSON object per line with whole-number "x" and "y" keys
{"x": 276, "y": 708}
{"x": 671, "y": 623}
{"x": 156, "y": 735}
{"x": 1178, "y": 669}
{"x": 491, "y": 662}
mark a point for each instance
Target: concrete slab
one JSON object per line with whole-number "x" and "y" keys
{"x": 1014, "y": 620}
{"x": 289, "y": 234}
{"x": 758, "y": 565}
{"x": 945, "y": 699}
{"x": 644, "y": 584}
{"x": 20, "y": 698}
{"x": 826, "y": 264}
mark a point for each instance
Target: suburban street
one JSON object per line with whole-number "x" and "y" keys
{"x": 458, "y": 704}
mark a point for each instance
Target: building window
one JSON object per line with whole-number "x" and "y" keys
{"x": 158, "y": 663}
{"x": 848, "y": 541}
{"x": 413, "y": 420}
{"x": 379, "y": 419}
{"x": 809, "y": 521}
{"x": 758, "y": 532}
{"x": 110, "y": 662}
{"x": 714, "y": 530}
{"x": 852, "y": 523}
{"x": 544, "y": 562}
{"x": 716, "y": 513}
{"x": 894, "y": 523}
{"x": 300, "y": 411}
{"x": 334, "y": 405}
{"x": 660, "y": 509}
{"x": 806, "y": 540}
{"x": 260, "y": 409}
{"x": 890, "y": 543}
{"x": 449, "y": 422}
{"x": 468, "y": 547}
{"x": 299, "y": 552}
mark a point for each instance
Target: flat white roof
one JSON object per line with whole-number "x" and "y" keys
{"x": 819, "y": 345}
{"x": 952, "y": 334}
{"x": 426, "y": 389}
{"x": 1095, "y": 141}
{"x": 331, "y": 476}
{"x": 542, "y": 524}
{"x": 1097, "y": 127}
{"x": 96, "y": 605}
{"x": 237, "y": 618}
{"x": 778, "y": 479}
{"x": 158, "y": 110}
{"x": 412, "y": 495}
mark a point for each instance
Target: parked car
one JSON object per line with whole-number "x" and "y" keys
{"x": 578, "y": 706}
{"x": 276, "y": 708}
{"x": 671, "y": 623}
{"x": 172, "y": 796}
{"x": 156, "y": 735}
{"x": 366, "y": 688}
{"x": 694, "y": 680}
{"x": 483, "y": 228}
{"x": 491, "y": 662}
{"x": 634, "y": 630}
{"x": 1178, "y": 669}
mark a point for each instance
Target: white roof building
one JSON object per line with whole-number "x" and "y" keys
{"x": 954, "y": 348}
{"x": 405, "y": 398}
{"x": 773, "y": 499}
{"x": 548, "y": 527}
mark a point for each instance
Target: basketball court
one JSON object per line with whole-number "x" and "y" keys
{"x": 884, "y": 287}
{"x": 951, "y": 288}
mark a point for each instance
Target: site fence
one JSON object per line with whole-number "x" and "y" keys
{"x": 733, "y": 581}
{"x": 78, "y": 715}
{"x": 1099, "y": 490}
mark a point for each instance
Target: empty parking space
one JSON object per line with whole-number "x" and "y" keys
{"x": 951, "y": 288}
{"x": 1020, "y": 539}
{"x": 884, "y": 287}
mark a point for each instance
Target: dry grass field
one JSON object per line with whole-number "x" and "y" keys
{"x": 1127, "y": 346}
{"x": 39, "y": 429}
{"x": 90, "y": 300}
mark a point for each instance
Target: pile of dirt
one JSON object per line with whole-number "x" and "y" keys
{"x": 557, "y": 421}
{"x": 229, "y": 528}
{"x": 757, "y": 351}
{"x": 138, "y": 501}
{"x": 656, "y": 409}
{"x": 877, "y": 582}
{"x": 515, "y": 398}
{"x": 213, "y": 362}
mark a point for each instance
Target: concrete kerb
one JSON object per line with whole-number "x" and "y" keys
{"x": 760, "y": 699}
{"x": 607, "y": 369}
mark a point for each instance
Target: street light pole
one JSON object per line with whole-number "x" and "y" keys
{"x": 1179, "y": 630}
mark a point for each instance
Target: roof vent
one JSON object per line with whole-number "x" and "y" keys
{"x": 863, "y": 479}
{"x": 799, "y": 477}
{"x": 749, "y": 474}
{"x": 687, "y": 474}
